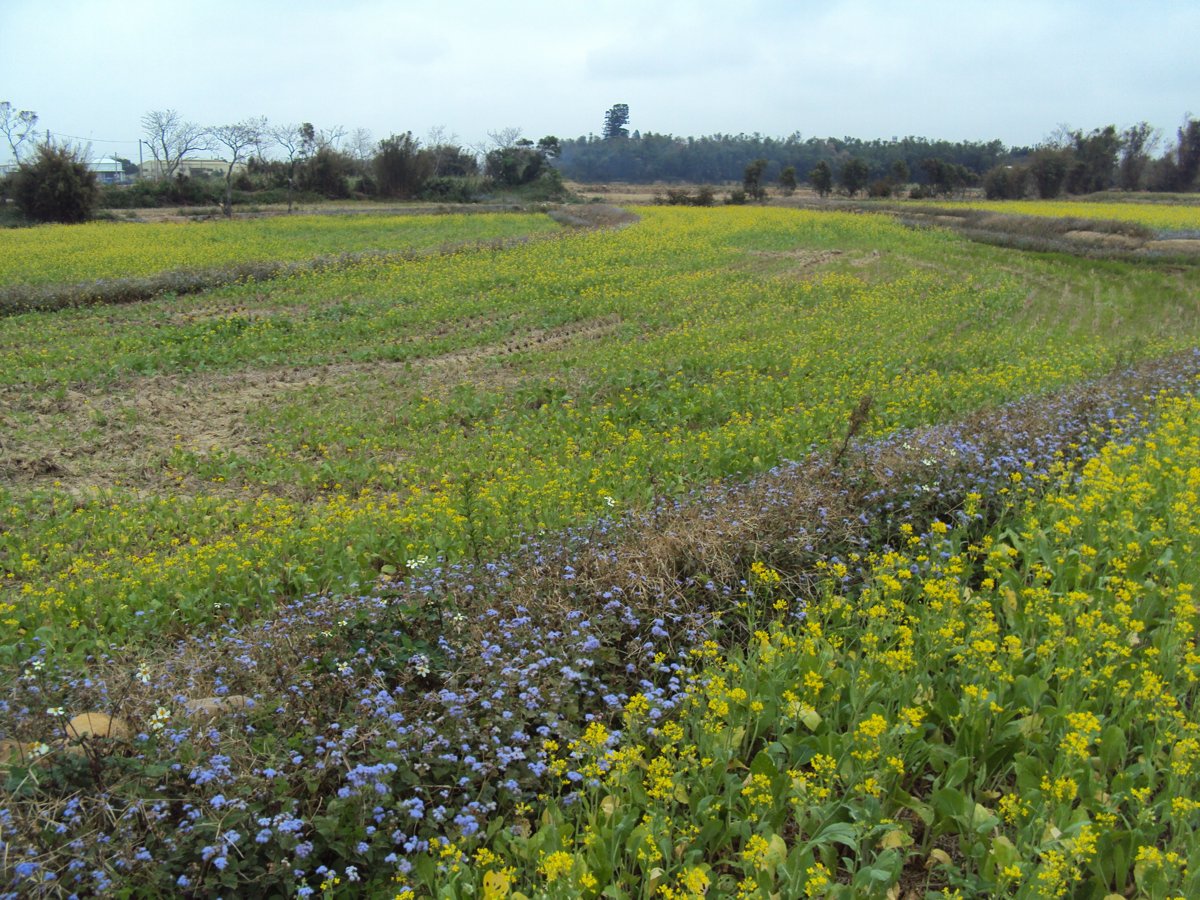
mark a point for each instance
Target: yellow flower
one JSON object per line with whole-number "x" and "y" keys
{"x": 556, "y": 865}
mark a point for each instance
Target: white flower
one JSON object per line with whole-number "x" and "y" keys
{"x": 143, "y": 674}
{"x": 609, "y": 501}
{"x": 419, "y": 663}
{"x": 56, "y": 711}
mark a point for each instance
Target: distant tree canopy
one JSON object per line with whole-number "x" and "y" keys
{"x": 1074, "y": 161}
{"x": 720, "y": 158}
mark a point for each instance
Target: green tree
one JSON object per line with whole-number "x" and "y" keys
{"x": 853, "y": 175}
{"x": 402, "y": 167}
{"x": 1137, "y": 142}
{"x": 752, "y": 179}
{"x": 899, "y": 172}
{"x": 1048, "y": 168}
{"x": 615, "y": 121}
{"x": 821, "y": 177}
{"x": 327, "y": 173}
{"x": 787, "y": 180}
{"x": 1005, "y": 182}
{"x": 57, "y": 186}
{"x": 1188, "y": 155}
{"x": 1095, "y": 160}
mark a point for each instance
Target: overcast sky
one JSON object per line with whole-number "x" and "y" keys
{"x": 956, "y": 69}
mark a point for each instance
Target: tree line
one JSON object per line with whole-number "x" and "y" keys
{"x": 274, "y": 162}
{"x": 283, "y": 162}
{"x": 1074, "y": 162}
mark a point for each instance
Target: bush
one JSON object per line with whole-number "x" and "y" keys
{"x": 736, "y": 197}
{"x": 451, "y": 189}
{"x": 1005, "y": 182}
{"x": 881, "y": 187}
{"x": 704, "y": 196}
{"x": 56, "y": 187}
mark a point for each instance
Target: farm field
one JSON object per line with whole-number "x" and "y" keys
{"x": 177, "y": 459}
{"x": 1165, "y": 217}
{"x": 735, "y": 552}
{"x": 52, "y": 254}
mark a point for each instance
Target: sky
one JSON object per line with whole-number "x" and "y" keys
{"x": 1012, "y": 70}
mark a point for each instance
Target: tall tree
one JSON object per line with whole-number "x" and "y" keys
{"x": 787, "y": 180}
{"x": 1137, "y": 143}
{"x": 1048, "y": 167}
{"x": 171, "y": 139}
{"x": 615, "y": 121}
{"x": 17, "y": 126}
{"x": 402, "y": 167}
{"x": 1095, "y": 160}
{"x": 752, "y": 179}
{"x": 233, "y": 143}
{"x": 854, "y": 175}
{"x": 821, "y": 177}
{"x": 1188, "y": 154}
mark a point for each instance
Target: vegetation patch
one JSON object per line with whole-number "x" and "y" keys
{"x": 574, "y": 715}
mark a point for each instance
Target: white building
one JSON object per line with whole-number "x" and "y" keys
{"x": 109, "y": 171}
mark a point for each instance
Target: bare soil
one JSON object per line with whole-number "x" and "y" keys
{"x": 88, "y": 438}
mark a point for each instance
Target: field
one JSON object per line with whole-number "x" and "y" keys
{"x": 1160, "y": 216}
{"x": 739, "y": 551}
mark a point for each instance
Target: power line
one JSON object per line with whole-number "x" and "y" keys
{"x": 76, "y": 137}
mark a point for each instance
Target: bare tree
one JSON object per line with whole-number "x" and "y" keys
{"x": 441, "y": 144}
{"x": 361, "y": 146}
{"x": 17, "y": 126}
{"x": 171, "y": 139}
{"x": 504, "y": 138}
{"x": 329, "y": 138}
{"x": 296, "y": 143}
{"x": 233, "y": 143}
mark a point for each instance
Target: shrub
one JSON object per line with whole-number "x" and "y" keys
{"x": 704, "y": 196}
{"x": 56, "y": 187}
{"x": 1005, "y": 182}
{"x": 451, "y": 189}
{"x": 736, "y": 197}
{"x": 881, "y": 187}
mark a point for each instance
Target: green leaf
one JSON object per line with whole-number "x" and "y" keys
{"x": 837, "y": 833}
{"x": 983, "y": 819}
{"x": 957, "y": 773}
{"x": 1113, "y": 748}
{"x": 762, "y": 764}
